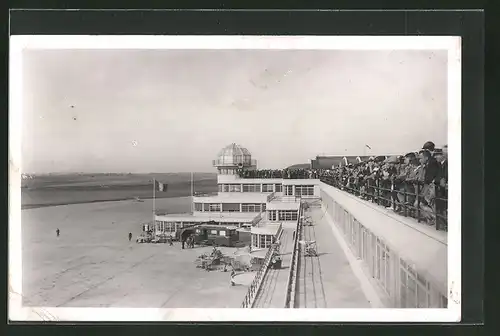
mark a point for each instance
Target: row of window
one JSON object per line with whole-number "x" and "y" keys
{"x": 164, "y": 226}
{"x": 403, "y": 285}
{"x": 221, "y": 233}
{"x": 230, "y": 207}
{"x": 300, "y": 190}
{"x": 225, "y": 171}
{"x": 283, "y": 215}
{"x": 262, "y": 241}
{"x": 253, "y": 207}
{"x": 250, "y": 188}
{"x": 168, "y": 227}
{"x": 304, "y": 190}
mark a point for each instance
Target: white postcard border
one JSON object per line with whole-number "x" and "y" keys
{"x": 452, "y": 44}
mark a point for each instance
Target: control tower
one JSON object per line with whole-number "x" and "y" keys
{"x": 233, "y": 158}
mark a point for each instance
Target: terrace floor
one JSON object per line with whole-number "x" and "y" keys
{"x": 272, "y": 293}
{"x": 327, "y": 280}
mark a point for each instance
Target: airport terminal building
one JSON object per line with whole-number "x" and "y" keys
{"x": 255, "y": 204}
{"x": 405, "y": 261}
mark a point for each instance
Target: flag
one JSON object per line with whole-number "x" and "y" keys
{"x": 159, "y": 186}
{"x": 368, "y": 146}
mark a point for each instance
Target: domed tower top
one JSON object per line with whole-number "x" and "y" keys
{"x": 233, "y": 157}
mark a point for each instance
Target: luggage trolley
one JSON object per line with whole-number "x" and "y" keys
{"x": 306, "y": 220}
{"x": 309, "y": 247}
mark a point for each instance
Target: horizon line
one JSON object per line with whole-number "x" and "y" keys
{"x": 118, "y": 173}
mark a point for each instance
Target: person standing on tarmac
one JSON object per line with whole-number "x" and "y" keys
{"x": 129, "y": 236}
{"x": 233, "y": 273}
{"x": 58, "y": 232}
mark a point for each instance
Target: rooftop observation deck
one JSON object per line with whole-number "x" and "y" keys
{"x": 325, "y": 281}
{"x": 367, "y": 256}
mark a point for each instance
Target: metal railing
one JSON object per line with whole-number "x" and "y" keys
{"x": 271, "y": 196}
{"x": 234, "y": 162}
{"x": 205, "y": 194}
{"x": 294, "y": 265}
{"x": 388, "y": 193}
{"x": 290, "y": 199}
{"x": 254, "y": 288}
{"x": 276, "y": 175}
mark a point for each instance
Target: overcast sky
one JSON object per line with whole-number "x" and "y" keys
{"x": 173, "y": 110}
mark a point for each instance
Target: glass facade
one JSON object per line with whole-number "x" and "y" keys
{"x": 262, "y": 240}
{"x": 404, "y": 286}
{"x": 230, "y": 207}
{"x": 245, "y": 207}
{"x": 168, "y": 227}
{"x": 304, "y": 190}
{"x": 211, "y": 207}
{"x": 251, "y": 188}
{"x": 234, "y": 187}
{"x": 287, "y": 215}
{"x": 282, "y": 215}
{"x": 267, "y": 188}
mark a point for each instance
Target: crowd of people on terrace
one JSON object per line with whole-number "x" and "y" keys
{"x": 281, "y": 173}
{"x": 393, "y": 182}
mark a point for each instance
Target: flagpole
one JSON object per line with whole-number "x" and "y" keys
{"x": 192, "y": 193}
{"x": 154, "y": 204}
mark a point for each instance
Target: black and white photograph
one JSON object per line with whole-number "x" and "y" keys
{"x": 235, "y": 178}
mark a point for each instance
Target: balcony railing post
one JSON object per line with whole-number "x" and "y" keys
{"x": 434, "y": 207}
{"x": 417, "y": 192}
{"x": 405, "y": 206}
{"x": 377, "y": 198}
{"x": 393, "y": 201}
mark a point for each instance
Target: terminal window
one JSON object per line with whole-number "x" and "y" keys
{"x": 230, "y": 207}
{"x": 277, "y": 187}
{"x": 287, "y": 215}
{"x": 289, "y": 190}
{"x": 304, "y": 190}
{"x": 235, "y": 188}
{"x": 272, "y": 215}
{"x": 250, "y": 208}
{"x": 267, "y": 188}
{"x": 266, "y": 241}
{"x": 251, "y": 188}
{"x": 169, "y": 227}
{"x": 215, "y": 207}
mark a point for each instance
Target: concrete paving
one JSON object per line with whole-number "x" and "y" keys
{"x": 92, "y": 263}
{"x": 326, "y": 281}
